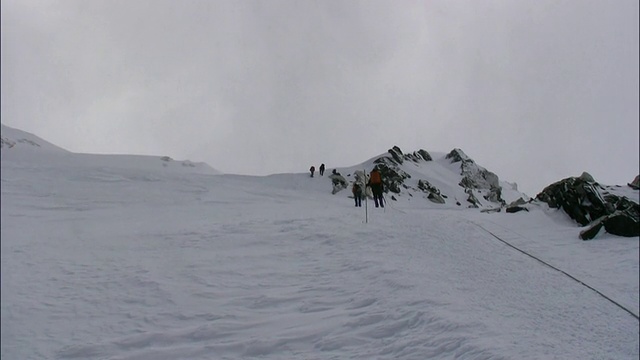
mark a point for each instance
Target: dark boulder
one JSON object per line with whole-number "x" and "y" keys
{"x": 418, "y": 156}
{"x": 587, "y": 202}
{"x": 398, "y": 157}
{"x": 579, "y": 197}
{"x": 457, "y": 155}
{"x": 623, "y": 223}
{"x": 425, "y": 155}
{"x": 433, "y": 193}
{"x": 472, "y": 199}
{"x": 592, "y": 231}
{"x": 396, "y": 154}
{"x": 517, "y": 206}
{"x": 515, "y": 209}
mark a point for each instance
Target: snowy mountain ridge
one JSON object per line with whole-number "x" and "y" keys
{"x": 18, "y": 144}
{"x": 448, "y": 180}
{"x": 444, "y": 180}
{"x": 127, "y": 262}
{"x": 11, "y": 138}
{"x": 433, "y": 180}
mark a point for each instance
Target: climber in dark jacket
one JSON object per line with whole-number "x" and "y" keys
{"x": 357, "y": 193}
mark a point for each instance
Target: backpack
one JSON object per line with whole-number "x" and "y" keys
{"x": 375, "y": 177}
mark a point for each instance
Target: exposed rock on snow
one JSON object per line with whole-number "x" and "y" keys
{"x": 477, "y": 177}
{"x": 392, "y": 176}
{"x": 516, "y": 208}
{"x": 338, "y": 181}
{"x": 621, "y": 223}
{"x": 457, "y": 155}
{"x": 480, "y": 187}
{"x": 13, "y": 139}
{"x": 589, "y": 203}
{"x": 416, "y": 156}
{"x": 579, "y": 198}
{"x": 472, "y": 199}
{"x": 518, "y": 205}
{"x": 433, "y": 193}
{"x": 5, "y": 141}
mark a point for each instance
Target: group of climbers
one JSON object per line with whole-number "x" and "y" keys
{"x": 375, "y": 183}
{"x": 360, "y": 185}
{"x": 312, "y": 169}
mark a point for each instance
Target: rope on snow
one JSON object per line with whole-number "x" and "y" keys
{"x": 561, "y": 271}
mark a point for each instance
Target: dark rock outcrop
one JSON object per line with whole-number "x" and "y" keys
{"x": 10, "y": 143}
{"x": 417, "y": 156}
{"x": 517, "y": 205}
{"x": 477, "y": 177}
{"x": 515, "y": 209}
{"x": 591, "y": 232}
{"x": 587, "y": 202}
{"x": 481, "y": 186}
{"x": 578, "y": 197}
{"x": 392, "y": 176}
{"x": 472, "y": 199}
{"x": 433, "y": 193}
{"x": 622, "y": 223}
{"x": 397, "y": 155}
{"x": 338, "y": 181}
{"x": 457, "y": 155}
{"x": 424, "y": 155}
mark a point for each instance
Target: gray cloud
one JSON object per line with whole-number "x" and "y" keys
{"x": 533, "y": 90}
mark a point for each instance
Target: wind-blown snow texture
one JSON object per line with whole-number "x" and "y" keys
{"x": 128, "y": 259}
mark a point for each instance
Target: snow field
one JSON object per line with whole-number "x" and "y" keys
{"x": 116, "y": 263}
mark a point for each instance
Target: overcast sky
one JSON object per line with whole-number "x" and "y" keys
{"x": 533, "y": 90}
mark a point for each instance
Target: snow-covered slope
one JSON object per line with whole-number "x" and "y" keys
{"x": 14, "y": 139}
{"x": 118, "y": 262}
{"x": 18, "y": 145}
{"x": 456, "y": 179}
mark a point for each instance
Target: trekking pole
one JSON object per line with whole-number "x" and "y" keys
{"x": 366, "y": 208}
{"x": 383, "y": 202}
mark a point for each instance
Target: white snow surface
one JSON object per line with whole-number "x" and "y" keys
{"x": 17, "y": 139}
{"x": 21, "y": 146}
{"x": 116, "y": 257}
